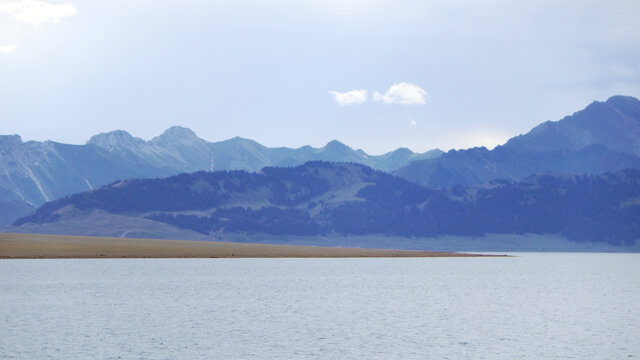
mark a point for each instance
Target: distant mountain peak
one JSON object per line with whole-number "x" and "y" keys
{"x": 240, "y": 139}
{"x": 10, "y": 139}
{"x": 402, "y": 151}
{"x": 614, "y": 123}
{"x": 335, "y": 144}
{"x": 622, "y": 99}
{"x": 179, "y": 131}
{"x": 175, "y": 134}
{"x": 238, "y": 142}
{"x": 628, "y": 105}
{"x": 113, "y": 139}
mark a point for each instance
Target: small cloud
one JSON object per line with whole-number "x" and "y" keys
{"x": 403, "y": 93}
{"x": 36, "y": 12}
{"x": 350, "y": 97}
{"x": 8, "y": 49}
{"x": 413, "y": 122}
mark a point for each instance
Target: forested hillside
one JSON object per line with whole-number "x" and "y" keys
{"x": 321, "y": 198}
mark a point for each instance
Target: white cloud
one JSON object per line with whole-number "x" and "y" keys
{"x": 350, "y": 97}
{"x": 8, "y": 49}
{"x": 36, "y": 12}
{"x": 403, "y": 93}
{"x": 413, "y": 122}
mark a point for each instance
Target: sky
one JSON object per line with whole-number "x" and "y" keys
{"x": 376, "y": 75}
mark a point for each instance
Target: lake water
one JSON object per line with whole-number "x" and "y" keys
{"x": 532, "y": 306}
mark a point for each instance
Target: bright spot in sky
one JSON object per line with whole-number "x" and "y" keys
{"x": 403, "y": 93}
{"x": 36, "y": 12}
{"x": 349, "y": 97}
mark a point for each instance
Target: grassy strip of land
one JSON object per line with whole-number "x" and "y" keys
{"x": 35, "y": 246}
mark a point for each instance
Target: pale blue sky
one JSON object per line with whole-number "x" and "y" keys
{"x": 466, "y": 72}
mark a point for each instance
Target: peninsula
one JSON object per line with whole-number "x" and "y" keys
{"x": 36, "y": 246}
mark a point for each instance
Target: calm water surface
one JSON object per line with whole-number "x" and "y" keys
{"x": 533, "y": 306}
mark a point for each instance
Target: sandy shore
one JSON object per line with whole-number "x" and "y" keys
{"x": 34, "y": 246}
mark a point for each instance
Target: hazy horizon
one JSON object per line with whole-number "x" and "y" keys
{"x": 375, "y": 75}
{"x": 320, "y": 145}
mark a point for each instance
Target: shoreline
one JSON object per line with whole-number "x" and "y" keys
{"x": 39, "y": 246}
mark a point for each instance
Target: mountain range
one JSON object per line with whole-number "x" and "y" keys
{"x": 614, "y": 123}
{"x": 37, "y": 172}
{"x": 574, "y": 178}
{"x": 603, "y": 137}
{"x": 346, "y": 199}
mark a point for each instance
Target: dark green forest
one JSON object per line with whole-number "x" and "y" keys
{"x": 306, "y": 200}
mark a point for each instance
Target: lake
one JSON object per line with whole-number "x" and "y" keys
{"x": 530, "y": 306}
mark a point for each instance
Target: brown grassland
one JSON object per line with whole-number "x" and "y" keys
{"x": 34, "y": 246}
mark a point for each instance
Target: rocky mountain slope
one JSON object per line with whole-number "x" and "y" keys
{"x": 33, "y": 173}
{"x": 614, "y": 123}
{"x": 603, "y": 137}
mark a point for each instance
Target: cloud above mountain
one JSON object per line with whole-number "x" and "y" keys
{"x": 403, "y": 93}
{"x": 353, "y": 97}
